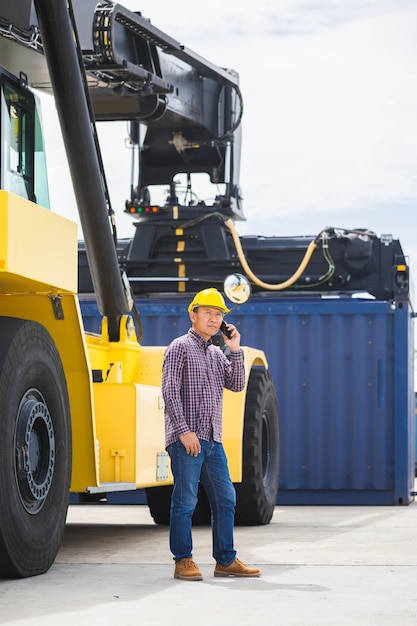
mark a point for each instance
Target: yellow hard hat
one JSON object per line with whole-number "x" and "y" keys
{"x": 209, "y": 297}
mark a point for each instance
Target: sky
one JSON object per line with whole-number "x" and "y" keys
{"x": 330, "y": 113}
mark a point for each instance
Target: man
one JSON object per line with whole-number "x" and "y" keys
{"x": 194, "y": 374}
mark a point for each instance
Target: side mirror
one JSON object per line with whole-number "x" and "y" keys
{"x": 237, "y": 288}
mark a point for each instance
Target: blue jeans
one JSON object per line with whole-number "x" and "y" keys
{"x": 209, "y": 467}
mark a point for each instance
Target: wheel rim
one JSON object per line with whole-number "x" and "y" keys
{"x": 35, "y": 451}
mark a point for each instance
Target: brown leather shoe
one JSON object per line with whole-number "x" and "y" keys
{"x": 236, "y": 569}
{"x": 186, "y": 569}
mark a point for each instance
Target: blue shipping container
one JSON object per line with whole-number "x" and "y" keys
{"x": 344, "y": 373}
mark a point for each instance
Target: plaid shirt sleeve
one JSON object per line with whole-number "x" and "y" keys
{"x": 172, "y": 371}
{"x": 234, "y": 378}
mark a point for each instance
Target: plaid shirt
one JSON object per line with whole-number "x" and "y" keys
{"x": 194, "y": 374}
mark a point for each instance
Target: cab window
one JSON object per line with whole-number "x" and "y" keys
{"x": 17, "y": 140}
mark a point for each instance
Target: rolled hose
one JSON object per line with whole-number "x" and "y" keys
{"x": 277, "y": 287}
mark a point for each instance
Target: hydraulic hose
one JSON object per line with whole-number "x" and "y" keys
{"x": 277, "y": 287}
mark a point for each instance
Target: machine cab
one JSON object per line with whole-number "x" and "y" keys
{"x": 22, "y": 155}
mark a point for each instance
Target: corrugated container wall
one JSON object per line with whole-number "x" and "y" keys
{"x": 343, "y": 370}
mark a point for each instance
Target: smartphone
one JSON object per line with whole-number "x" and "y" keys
{"x": 224, "y": 330}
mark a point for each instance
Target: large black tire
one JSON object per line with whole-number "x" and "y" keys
{"x": 35, "y": 449}
{"x": 257, "y": 494}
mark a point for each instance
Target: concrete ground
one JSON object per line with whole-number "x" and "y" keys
{"x": 320, "y": 565}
